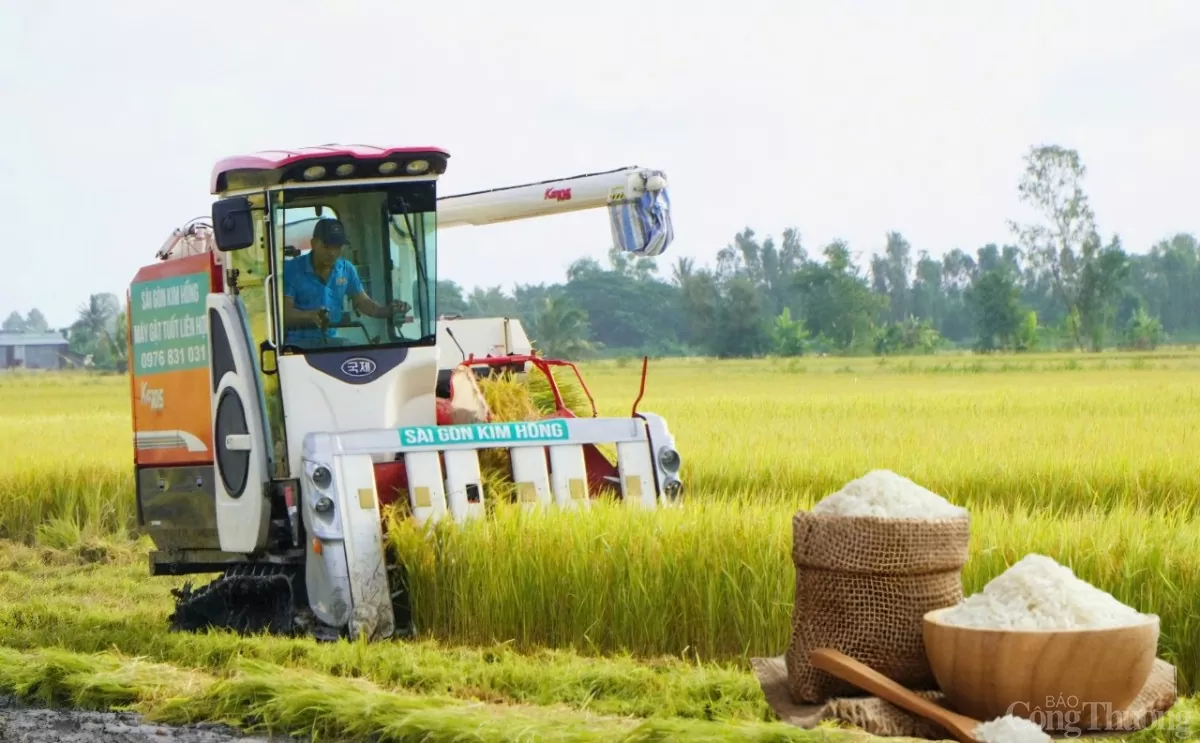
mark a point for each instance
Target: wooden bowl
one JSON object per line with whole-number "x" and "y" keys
{"x": 1058, "y": 678}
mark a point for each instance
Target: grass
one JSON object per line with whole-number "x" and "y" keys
{"x": 620, "y": 622}
{"x": 262, "y": 697}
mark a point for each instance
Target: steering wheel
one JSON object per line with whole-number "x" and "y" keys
{"x": 405, "y": 318}
{"x": 373, "y": 340}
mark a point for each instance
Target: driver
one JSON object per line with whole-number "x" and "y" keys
{"x": 316, "y": 284}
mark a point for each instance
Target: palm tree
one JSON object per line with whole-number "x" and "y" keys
{"x": 560, "y": 329}
{"x": 97, "y": 328}
{"x": 683, "y": 270}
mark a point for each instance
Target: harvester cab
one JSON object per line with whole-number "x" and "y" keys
{"x": 288, "y": 379}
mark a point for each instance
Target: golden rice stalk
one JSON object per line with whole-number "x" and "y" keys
{"x": 525, "y": 397}
{"x": 568, "y": 387}
{"x": 509, "y": 398}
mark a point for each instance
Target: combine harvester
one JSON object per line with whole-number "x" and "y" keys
{"x": 281, "y": 400}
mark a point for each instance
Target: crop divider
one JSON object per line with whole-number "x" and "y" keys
{"x": 547, "y": 456}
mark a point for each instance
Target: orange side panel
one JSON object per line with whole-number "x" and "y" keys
{"x": 168, "y": 362}
{"x": 174, "y": 406}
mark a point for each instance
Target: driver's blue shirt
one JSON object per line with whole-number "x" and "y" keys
{"x": 308, "y": 292}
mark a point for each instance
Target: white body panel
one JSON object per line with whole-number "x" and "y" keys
{"x": 314, "y": 401}
{"x": 243, "y": 517}
{"x": 568, "y": 477}
{"x": 637, "y": 475}
{"x": 530, "y": 475}
{"x": 372, "y": 615}
{"x": 464, "y": 485}
{"x": 481, "y": 337}
{"x": 426, "y": 485}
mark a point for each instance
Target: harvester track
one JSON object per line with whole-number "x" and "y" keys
{"x": 246, "y": 599}
{"x": 251, "y": 599}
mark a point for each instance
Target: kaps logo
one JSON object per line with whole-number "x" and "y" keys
{"x": 358, "y": 367}
{"x": 558, "y": 194}
{"x": 152, "y": 397}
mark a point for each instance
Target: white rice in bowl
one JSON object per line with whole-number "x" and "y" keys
{"x": 1039, "y": 593}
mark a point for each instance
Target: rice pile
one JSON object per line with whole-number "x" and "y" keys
{"x": 871, "y": 560}
{"x": 1010, "y": 729}
{"x": 884, "y": 494}
{"x": 1038, "y": 593}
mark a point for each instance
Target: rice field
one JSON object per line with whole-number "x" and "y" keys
{"x": 618, "y": 624}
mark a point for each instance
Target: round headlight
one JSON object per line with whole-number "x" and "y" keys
{"x": 324, "y": 505}
{"x": 321, "y": 477}
{"x": 668, "y": 459}
{"x": 313, "y": 173}
{"x": 345, "y": 169}
{"x": 672, "y": 489}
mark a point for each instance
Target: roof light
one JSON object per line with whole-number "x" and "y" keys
{"x": 388, "y": 167}
{"x": 345, "y": 169}
{"x": 313, "y": 173}
{"x": 416, "y": 167}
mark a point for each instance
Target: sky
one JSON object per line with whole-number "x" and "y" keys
{"x": 843, "y": 120}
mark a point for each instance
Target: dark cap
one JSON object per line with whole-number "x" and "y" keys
{"x": 330, "y": 231}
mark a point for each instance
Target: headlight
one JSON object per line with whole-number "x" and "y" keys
{"x": 324, "y": 504}
{"x": 322, "y": 477}
{"x": 668, "y": 459}
{"x": 672, "y": 489}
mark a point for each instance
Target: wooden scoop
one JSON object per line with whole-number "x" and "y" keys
{"x": 862, "y": 676}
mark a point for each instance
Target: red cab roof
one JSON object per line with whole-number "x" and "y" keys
{"x": 276, "y": 159}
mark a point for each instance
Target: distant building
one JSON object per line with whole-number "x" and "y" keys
{"x": 32, "y": 350}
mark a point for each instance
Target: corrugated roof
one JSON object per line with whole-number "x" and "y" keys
{"x": 32, "y": 339}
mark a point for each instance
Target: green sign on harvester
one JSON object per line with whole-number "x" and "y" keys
{"x": 532, "y": 432}
{"x": 170, "y": 329}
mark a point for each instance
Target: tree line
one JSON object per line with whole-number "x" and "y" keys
{"x": 1056, "y": 284}
{"x": 97, "y": 337}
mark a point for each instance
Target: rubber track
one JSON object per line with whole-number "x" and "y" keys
{"x": 245, "y": 599}
{"x": 251, "y": 599}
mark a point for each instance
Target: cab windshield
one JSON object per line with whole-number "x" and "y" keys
{"x": 358, "y": 266}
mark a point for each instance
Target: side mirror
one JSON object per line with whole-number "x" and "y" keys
{"x": 233, "y": 225}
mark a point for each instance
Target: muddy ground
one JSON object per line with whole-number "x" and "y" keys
{"x": 22, "y": 724}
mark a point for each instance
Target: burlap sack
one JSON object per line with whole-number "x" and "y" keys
{"x": 862, "y": 586}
